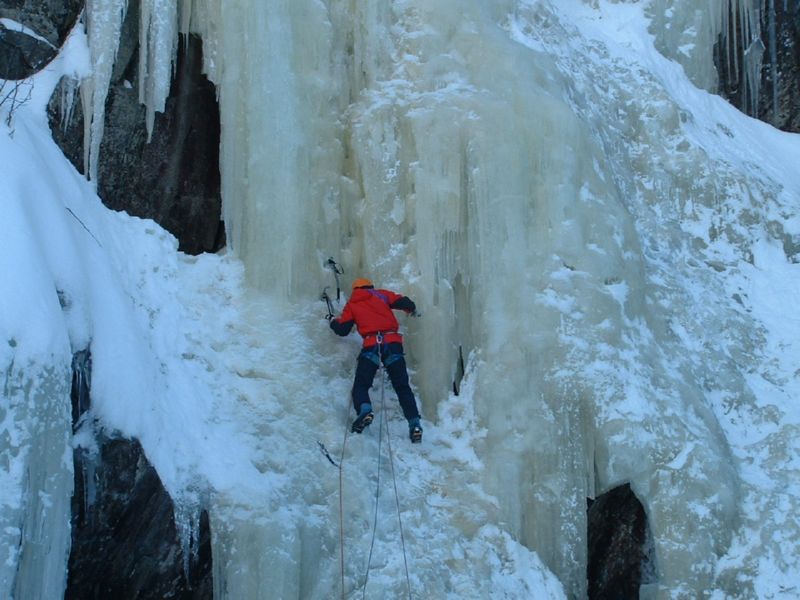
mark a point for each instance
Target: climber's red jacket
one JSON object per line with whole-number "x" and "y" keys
{"x": 370, "y": 310}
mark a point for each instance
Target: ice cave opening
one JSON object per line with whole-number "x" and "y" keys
{"x": 621, "y": 556}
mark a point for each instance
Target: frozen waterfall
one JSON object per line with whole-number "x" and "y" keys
{"x": 449, "y": 158}
{"x": 568, "y": 206}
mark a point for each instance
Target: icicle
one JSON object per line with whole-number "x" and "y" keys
{"x": 753, "y": 54}
{"x": 739, "y": 24}
{"x": 103, "y": 26}
{"x": 204, "y": 18}
{"x": 158, "y": 45}
{"x": 185, "y": 16}
{"x": 773, "y": 59}
{"x": 67, "y": 101}
{"x": 735, "y": 43}
{"x": 187, "y": 522}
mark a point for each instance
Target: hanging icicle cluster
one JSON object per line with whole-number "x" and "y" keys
{"x": 743, "y": 48}
{"x": 103, "y": 26}
{"x": 689, "y": 35}
{"x": 158, "y": 46}
{"x": 160, "y": 23}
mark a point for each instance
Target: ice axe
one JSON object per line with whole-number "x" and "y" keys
{"x": 328, "y": 302}
{"x": 337, "y": 270}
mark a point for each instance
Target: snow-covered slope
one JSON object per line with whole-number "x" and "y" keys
{"x": 613, "y": 248}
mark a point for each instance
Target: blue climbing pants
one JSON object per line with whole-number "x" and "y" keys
{"x": 395, "y": 362}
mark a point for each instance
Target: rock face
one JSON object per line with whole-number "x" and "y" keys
{"x": 124, "y": 540}
{"x": 781, "y": 63}
{"x": 174, "y": 178}
{"x": 23, "y": 55}
{"x": 785, "y": 113}
{"x": 125, "y": 543}
{"x": 620, "y": 553}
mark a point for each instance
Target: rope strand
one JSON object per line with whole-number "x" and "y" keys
{"x": 377, "y": 493}
{"x": 377, "y": 485}
{"x": 397, "y": 504}
{"x": 341, "y": 502}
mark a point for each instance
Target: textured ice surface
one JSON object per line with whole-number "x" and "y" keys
{"x": 612, "y": 247}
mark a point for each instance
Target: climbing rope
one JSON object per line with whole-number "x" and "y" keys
{"x": 341, "y": 502}
{"x": 378, "y": 484}
{"x": 397, "y": 504}
{"x": 377, "y": 488}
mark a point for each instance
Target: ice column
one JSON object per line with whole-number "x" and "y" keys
{"x": 653, "y": 424}
{"x": 426, "y": 149}
{"x": 282, "y": 149}
{"x": 103, "y": 26}
{"x": 158, "y": 43}
{"x": 35, "y": 478}
{"x": 204, "y": 18}
{"x": 469, "y": 206}
{"x": 415, "y": 141}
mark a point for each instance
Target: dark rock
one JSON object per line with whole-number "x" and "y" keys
{"x": 173, "y": 179}
{"x": 124, "y": 541}
{"x": 51, "y": 19}
{"x": 621, "y": 556}
{"x": 782, "y": 108}
{"x": 22, "y": 55}
{"x": 781, "y": 63}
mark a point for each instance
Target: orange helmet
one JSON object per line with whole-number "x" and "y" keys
{"x": 361, "y": 282}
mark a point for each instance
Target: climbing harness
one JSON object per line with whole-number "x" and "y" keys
{"x": 376, "y": 354}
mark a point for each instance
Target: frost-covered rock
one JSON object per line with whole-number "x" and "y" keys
{"x": 31, "y": 32}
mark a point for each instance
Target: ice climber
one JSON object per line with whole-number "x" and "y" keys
{"x": 370, "y": 310}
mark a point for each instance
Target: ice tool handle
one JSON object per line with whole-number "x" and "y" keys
{"x": 337, "y": 270}
{"x": 328, "y": 302}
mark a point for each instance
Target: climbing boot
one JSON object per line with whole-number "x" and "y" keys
{"x": 364, "y": 418}
{"x": 414, "y": 431}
